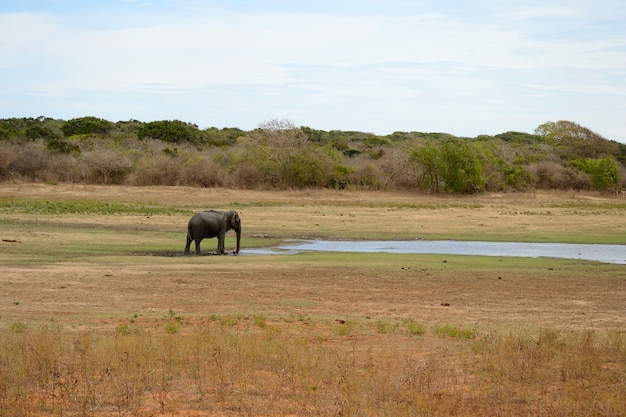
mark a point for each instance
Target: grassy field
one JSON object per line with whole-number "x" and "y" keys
{"x": 102, "y": 315}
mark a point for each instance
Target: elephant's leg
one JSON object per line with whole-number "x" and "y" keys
{"x": 189, "y": 239}
{"x": 198, "y": 246}
{"x": 220, "y": 244}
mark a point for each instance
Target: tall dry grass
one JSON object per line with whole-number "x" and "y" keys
{"x": 232, "y": 366}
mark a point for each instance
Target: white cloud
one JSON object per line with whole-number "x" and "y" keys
{"x": 410, "y": 66}
{"x": 22, "y": 29}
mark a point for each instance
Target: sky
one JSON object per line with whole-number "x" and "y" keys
{"x": 464, "y": 67}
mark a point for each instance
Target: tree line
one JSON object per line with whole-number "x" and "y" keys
{"x": 279, "y": 154}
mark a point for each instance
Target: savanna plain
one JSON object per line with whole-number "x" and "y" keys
{"x": 102, "y": 315}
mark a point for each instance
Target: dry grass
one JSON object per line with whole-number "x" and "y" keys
{"x": 227, "y": 365}
{"x": 95, "y": 321}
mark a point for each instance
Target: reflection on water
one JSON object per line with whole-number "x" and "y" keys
{"x": 602, "y": 253}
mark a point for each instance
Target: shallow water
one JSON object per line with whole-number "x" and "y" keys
{"x": 601, "y": 253}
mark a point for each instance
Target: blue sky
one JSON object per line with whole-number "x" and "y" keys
{"x": 465, "y": 67}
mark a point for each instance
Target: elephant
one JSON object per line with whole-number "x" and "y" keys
{"x": 211, "y": 223}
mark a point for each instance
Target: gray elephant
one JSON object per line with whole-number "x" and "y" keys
{"x": 211, "y": 223}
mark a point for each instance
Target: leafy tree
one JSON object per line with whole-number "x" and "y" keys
{"x": 6, "y": 130}
{"x": 307, "y": 169}
{"x": 225, "y": 137}
{"x": 604, "y": 172}
{"x": 14, "y": 127}
{"x": 464, "y": 168}
{"x": 279, "y": 154}
{"x": 172, "y": 131}
{"x": 63, "y": 146}
{"x": 455, "y": 164}
{"x": 518, "y": 178}
{"x": 429, "y": 158}
{"x": 128, "y": 128}
{"x": 577, "y": 141}
{"x": 271, "y": 148}
{"x": 86, "y": 125}
{"x": 399, "y": 136}
{"x": 558, "y": 155}
{"x": 518, "y": 137}
{"x": 314, "y": 135}
{"x": 39, "y": 131}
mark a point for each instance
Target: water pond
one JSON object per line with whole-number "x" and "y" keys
{"x": 601, "y": 253}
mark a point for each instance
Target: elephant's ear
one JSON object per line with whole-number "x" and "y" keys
{"x": 234, "y": 219}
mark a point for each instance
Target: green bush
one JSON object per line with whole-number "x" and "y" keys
{"x": 86, "y": 125}
{"x": 604, "y": 172}
{"x": 172, "y": 131}
{"x": 39, "y": 131}
{"x": 454, "y": 165}
{"x": 63, "y": 146}
{"x": 518, "y": 178}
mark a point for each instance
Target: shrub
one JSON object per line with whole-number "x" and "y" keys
{"x": 247, "y": 175}
{"x": 397, "y": 170}
{"x": 105, "y": 166}
{"x": 553, "y": 175}
{"x": 39, "y": 131}
{"x": 604, "y": 172}
{"x": 157, "y": 170}
{"x": 171, "y": 131}
{"x": 86, "y": 125}
{"x": 576, "y": 141}
{"x": 364, "y": 173}
{"x": 200, "y": 170}
{"x": 224, "y": 137}
{"x": 454, "y": 165}
{"x": 311, "y": 167}
{"x": 518, "y": 178}
{"x": 278, "y": 154}
{"x": 29, "y": 161}
{"x": 7, "y": 156}
{"x": 5, "y": 133}
{"x": 62, "y": 146}
{"x": 61, "y": 168}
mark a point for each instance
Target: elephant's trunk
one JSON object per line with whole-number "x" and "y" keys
{"x": 238, "y": 238}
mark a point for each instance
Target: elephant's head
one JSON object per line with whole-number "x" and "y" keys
{"x": 234, "y": 223}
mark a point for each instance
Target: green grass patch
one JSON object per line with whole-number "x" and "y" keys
{"x": 455, "y": 332}
{"x": 33, "y": 206}
{"x": 413, "y": 327}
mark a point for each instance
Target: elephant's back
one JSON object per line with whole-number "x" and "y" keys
{"x": 210, "y": 214}
{"x": 206, "y": 215}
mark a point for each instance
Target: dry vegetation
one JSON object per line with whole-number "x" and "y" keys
{"x": 279, "y": 155}
{"x": 101, "y": 316}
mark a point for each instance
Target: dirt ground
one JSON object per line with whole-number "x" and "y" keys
{"x": 72, "y": 292}
{"x": 427, "y": 289}
{"x": 97, "y": 272}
